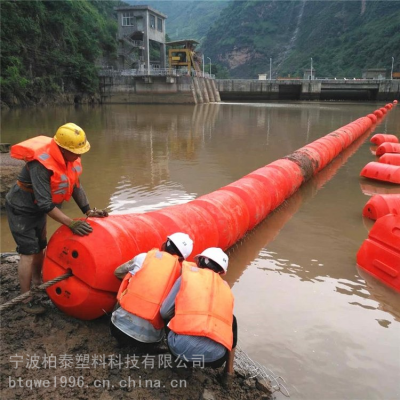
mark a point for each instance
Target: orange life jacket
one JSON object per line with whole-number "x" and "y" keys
{"x": 143, "y": 293}
{"x": 204, "y": 306}
{"x": 45, "y": 150}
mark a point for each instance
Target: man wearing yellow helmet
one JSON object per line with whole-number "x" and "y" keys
{"x": 50, "y": 176}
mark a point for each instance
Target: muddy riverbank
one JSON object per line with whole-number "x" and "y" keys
{"x": 10, "y": 169}
{"x": 59, "y": 357}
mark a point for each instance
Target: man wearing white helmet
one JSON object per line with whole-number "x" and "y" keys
{"x": 199, "y": 309}
{"x": 148, "y": 279}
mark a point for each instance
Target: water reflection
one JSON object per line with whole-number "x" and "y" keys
{"x": 253, "y": 248}
{"x": 303, "y": 308}
{"x": 370, "y": 187}
{"x": 387, "y": 299}
{"x": 253, "y": 244}
{"x": 130, "y": 199}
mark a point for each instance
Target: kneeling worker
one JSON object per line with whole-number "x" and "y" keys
{"x": 151, "y": 276}
{"x": 201, "y": 307}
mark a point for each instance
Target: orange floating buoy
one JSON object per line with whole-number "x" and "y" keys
{"x": 92, "y": 259}
{"x": 381, "y": 172}
{"x": 379, "y": 255}
{"x": 229, "y": 213}
{"x": 394, "y": 101}
{"x": 372, "y": 117}
{"x": 390, "y": 158}
{"x": 220, "y": 219}
{"x": 388, "y": 147}
{"x": 379, "y": 205}
{"x": 378, "y": 113}
{"x": 380, "y": 138}
{"x": 252, "y": 192}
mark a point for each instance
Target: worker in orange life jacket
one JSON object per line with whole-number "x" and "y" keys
{"x": 202, "y": 326}
{"x": 149, "y": 278}
{"x": 50, "y": 176}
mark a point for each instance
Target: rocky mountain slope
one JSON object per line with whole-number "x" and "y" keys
{"x": 342, "y": 37}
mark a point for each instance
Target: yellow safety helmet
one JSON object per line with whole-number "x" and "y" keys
{"x": 72, "y": 138}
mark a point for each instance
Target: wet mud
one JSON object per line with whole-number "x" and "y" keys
{"x": 54, "y": 356}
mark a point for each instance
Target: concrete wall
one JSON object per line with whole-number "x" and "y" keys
{"x": 389, "y": 90}
{"x": 250, "y": 89}
{"x": 141, "y": 11}
{"x": 156, "y": 90}
{"x": 150, "y": 30}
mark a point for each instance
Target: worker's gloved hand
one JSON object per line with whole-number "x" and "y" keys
{"x": 97, "y": 213}
{"x": 80, "y": 228}
{"x": 123, "y": 269}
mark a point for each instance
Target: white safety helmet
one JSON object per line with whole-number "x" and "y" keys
{"x": 217, "y": 255}
{"x": 183, "y": 243}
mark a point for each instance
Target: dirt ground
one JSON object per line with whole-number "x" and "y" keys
{"x": 10, "y": 169}
{"x": 54, "y": 356}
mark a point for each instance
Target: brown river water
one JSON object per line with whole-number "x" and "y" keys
{"x": 304, "y": 309}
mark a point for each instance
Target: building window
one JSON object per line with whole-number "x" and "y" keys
{"x": 159, "y": 24}
{"x": 139, "y": 23}
{"x": 152, "y": 22}
{"x": 127, "y": 19}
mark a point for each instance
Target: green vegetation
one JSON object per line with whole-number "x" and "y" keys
{"x": 189, "y": 19}
{"x": 50, "y": 47}
{"x": 342, "y": 37}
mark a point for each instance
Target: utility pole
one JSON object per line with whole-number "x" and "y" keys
{"x": 391, "y": 73}
{"x": 210, "y": 65}
{"x": 311, "y": 70}
{"x": 203, "y": 65}
{"x": 270, "y": 68}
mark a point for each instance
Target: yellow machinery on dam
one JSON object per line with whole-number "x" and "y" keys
{"x": 182, "y": 55}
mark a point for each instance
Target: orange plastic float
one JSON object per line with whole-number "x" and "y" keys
{"x": 379, "y": 255}
{"x": 390, "y": 158}
{"x": 220, "y": 219}
{"x": 379, "y": 205}
{"x": 378, "y": 114}
{"x": 388, "y": 147}
{"x": 380, "y": 138}
{"x": 382, "y": 172}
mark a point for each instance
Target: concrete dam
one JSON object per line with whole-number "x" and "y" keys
{"x": 316, "y": 89}
{"x": 172, "y": 89}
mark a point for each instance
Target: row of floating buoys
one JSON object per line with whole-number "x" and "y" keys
{"x": 386, "y": 170}
{"x": 379, "y": 205}
{"x": 379, "y": 254}
{"x": 390, "y": 158}
{"x": 382, "y": 172}
{"x": 218, "y": 219}
{"x": 380, "y": 138}
{"x": 388, "y": 147}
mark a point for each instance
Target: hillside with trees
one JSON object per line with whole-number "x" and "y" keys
{"x": 188, "y": 19}
{"x": 342, "y": 37}
{"x": 52, "y": 48}
{"x": 49, "y": 48}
